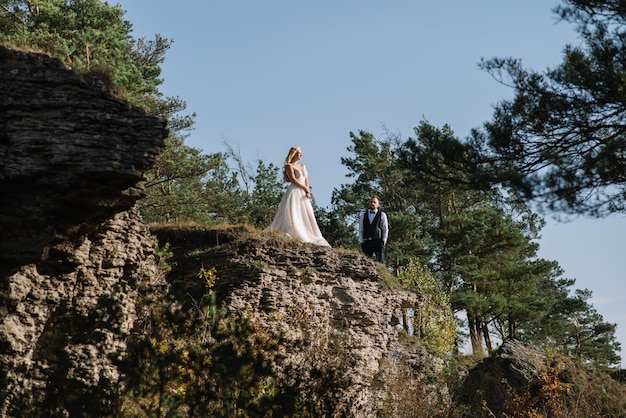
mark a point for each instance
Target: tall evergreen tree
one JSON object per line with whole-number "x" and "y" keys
{"x": 574, "y": 327}
{"x": 376, "y": 170}
{"x": 266, "y": 195}
{"x": 87, "y": 35}
{"x": 561, "y": 141}
{"x": 481, "y": 244}
{"x": 176, "y": 186}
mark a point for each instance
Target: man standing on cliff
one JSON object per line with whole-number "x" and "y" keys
{"x": 373, "y": 231}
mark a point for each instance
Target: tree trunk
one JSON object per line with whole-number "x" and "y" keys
{"x": 487, "y": 337}
{"x": 512, "y": 328}
{"x": 475, "y": 334}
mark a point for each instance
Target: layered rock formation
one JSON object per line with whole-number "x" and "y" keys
{"x": 71, "y": 154}
{"x": 71, "y": 247}
{"x": 73, "y": 253}
{"x": 330, "y": 310}
{"x": 75, "y": 257}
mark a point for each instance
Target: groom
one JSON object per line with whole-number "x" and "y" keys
{"x": 373, "y": 231}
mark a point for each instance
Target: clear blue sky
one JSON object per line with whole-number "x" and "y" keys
{"x": 267, "y": 75}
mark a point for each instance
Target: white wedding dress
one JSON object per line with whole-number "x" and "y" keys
{"x": 295, "y": 216}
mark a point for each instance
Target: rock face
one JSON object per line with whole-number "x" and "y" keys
{"x": 514, "y": 369}
{"x": 334, "y": 297}
{"x": 321, "y": 304}
{"x": 74, "y": 254}
{"x": 71, "y": 154}
{"x": 71, "y": 246}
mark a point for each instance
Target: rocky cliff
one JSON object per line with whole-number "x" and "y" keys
{"x": 329, "y": 322}
{"x": 75, "y": 256}
{"x": 94, "y": 321}
{"x": 72, "y": 248}
{"x": 71, "y": 155}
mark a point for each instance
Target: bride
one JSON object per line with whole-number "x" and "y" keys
{"x": 295, "y": 215}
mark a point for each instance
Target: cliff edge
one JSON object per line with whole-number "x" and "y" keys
{"x": 71, "y": 246}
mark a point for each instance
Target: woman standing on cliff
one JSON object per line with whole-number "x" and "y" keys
{"x": 295, "y": 216}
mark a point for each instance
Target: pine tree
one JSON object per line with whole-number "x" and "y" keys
{"x": 561, "y": 141}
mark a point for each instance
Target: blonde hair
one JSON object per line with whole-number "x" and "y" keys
{"x": 292, "y": 152}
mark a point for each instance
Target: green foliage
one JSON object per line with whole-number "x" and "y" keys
{"x": 194, "y": 358}
{"x": 337, "y": 231}
{"x": 490, "y": 264}
{"x": 482, "y": 245}
{"x": 433, "y": 322}
{"x": 200, "y": 362}
{"x": 590, "y": 339}
{"x": 574, "y": 328}
{"x": 266, "y": 195}
{"x": 188, "y": 186}
{"x": 560, "y": 141}
{"x": 377, "y": 171}
{"x": 163, "y": 255}
{"x": 196, "y": 378}
{"x": 410, "y": 397}
{"x": 86, "y": 35}
{"x": 174, "y": 188}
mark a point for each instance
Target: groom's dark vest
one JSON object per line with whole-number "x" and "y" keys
{"x": 372, "y": 230}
